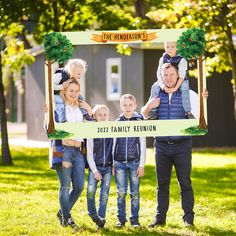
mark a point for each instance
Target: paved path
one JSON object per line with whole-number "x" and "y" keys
{"x": 17, "y": 136}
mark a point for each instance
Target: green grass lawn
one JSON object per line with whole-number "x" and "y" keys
{"x": 29, "y": 198}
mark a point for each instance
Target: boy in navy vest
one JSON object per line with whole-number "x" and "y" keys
{"x": 170, "y": 56}
{"x": 99, "y": 157}
{"x": 129, "y": 160}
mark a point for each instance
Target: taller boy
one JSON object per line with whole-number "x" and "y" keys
{"x": 170, "y": 56}
{"x": 129, "y": 160}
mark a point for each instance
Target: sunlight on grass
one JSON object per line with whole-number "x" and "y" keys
{"x": 29, "y": 198}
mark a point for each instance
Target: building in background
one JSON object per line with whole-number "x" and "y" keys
{"x": 110, "y": 75}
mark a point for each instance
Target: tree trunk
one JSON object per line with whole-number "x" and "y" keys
{"x": 202, "y": 122}
{"x": 6, "y": 155}
{"x": 51, "y": 127}
{"x": 140, "y": 8}
{"x": 233, "y": 58}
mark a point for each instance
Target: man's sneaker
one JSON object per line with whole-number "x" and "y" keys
{"x": 98, "y": 220}
{"x": 120, "y": 224}
{"x": 157, "y": 222}
{"x": 188, "y": 224}
{"x": 59, "y": 216}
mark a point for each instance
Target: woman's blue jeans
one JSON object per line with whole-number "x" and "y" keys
{"x": 75, "y": 175}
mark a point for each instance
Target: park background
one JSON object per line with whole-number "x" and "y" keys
{"x": 28, "y": 189}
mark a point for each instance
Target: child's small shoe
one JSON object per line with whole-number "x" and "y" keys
{"x": 59, "y": 216}
{"x": 120, "y": 224}
{"x": 64, "y": 222}
{"x": 98, "y": 221}
{"x": 190, "y": 115}
{"x": 135, "y": 224}
{"x": 152, "y": 115}
{"x": 102, "y": 224}
{"x": 73, "y": 225}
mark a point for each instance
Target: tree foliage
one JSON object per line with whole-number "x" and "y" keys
{"x": 191, "y": 44}
{"x": 57, "y": 47}
{"x": 13, "y": 57}
{"x": 215, "y": 17}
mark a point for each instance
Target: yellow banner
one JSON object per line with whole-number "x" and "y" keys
{"x": 124, "y": 37}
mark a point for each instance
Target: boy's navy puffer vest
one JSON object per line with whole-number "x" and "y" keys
{"x": 170, "y": 111}
{"x": 128, "y": 149}
{"x": 174, "y": 61}
{"x": 102, "y": 151}
{"x": 64, "y": 77}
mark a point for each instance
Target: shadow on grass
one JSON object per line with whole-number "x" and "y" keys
{"x": 216, "y": 151}
{"x": 218, "y": 232}
{"x": 205, "y": 181}
{"x": 220, "y": 181}
{"x": 130, "y": 231}
{"x": 28, "y": 158}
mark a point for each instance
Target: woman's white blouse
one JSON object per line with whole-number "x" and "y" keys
{"x": 74, "y": 114}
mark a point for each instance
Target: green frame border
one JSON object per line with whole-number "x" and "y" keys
{"x": 143, "y": 128}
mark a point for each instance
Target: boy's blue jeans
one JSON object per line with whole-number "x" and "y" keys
{"x": 104, "y": 192}
{"x": 184, "y": 88}
{"x": 74, "y": 174}
{"x": 123, "y": 172}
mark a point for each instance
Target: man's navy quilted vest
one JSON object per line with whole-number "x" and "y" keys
{"x": 171, "y": 110}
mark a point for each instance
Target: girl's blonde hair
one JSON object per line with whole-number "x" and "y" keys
{"x": 77, "y": 62}
{"x": 99, "y": 107}
{"x": 63, "y": 91}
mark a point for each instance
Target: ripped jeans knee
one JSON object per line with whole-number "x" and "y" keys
{"x": 121, "y": 194}
{"x": 66, "y": 164}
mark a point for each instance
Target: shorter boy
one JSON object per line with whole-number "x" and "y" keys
{"x": 170, "y": 56}
{"x": 99, "y": 157}
{"x": 129, "y": 160}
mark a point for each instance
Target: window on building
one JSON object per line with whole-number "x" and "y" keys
{"x": 113, "y": 77}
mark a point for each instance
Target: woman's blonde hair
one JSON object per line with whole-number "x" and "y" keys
{"x": 63, "y": 91}
{"x": 77, "y": 62}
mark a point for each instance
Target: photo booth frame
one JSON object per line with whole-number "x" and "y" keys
{"x": 144, "y": 128}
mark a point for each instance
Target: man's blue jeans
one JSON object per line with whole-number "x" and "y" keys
{"x": 179, "y": 155}
{"x": 104, "y": 192}
{"x": 74, "y": 174}
{"x": 123, "y": 172}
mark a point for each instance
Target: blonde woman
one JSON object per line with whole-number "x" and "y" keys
{"x": 70, "y": 168}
